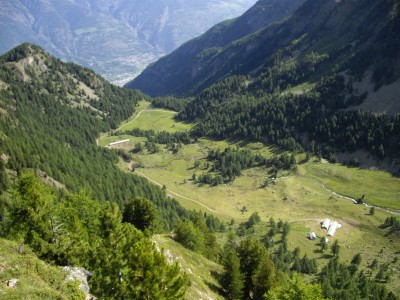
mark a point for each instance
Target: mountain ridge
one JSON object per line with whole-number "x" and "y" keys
{"x": 335, "y": 28}
{"x": 195, "y": 52}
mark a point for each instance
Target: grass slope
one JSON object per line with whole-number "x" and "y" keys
{"x": 298, "y": 197}
{"x": 36, "y": 279}
{"x": 201, "y": 271}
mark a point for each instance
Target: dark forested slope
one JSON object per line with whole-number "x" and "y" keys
{"x": 364, "y": 33}
{"x": 299, "y": 83}
{"x": 178, "y": 72}
{"x": 52, "y": 112}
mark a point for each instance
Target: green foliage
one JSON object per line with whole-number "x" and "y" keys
{"x": 4, "y": 180}
{"x": 31, "y": 212}
{"x": 45, "y": 129}
{"x": 171, "y": 103}
{"x": 77, "y": 230}
{"x": 264, "y": 278}
{"x": 232, "y": 279}
{"x": 296, "y": 289}
{"x": 278, "y": 119}
{"x": 195, "y": 235}
{"x": 340, "y": 281}
{"x": 252, "y": 255}
{"x": 142, "y": 213}
{"x": 190, "y": 236}
{"x": 335, "y": 248}
{"x": 159, "y": 137}
{"x": 372, "y": 211}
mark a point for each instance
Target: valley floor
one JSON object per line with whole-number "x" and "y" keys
{"x": 316, "y": 190}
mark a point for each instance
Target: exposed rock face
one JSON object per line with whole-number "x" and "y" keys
{"x": 12, "y": 283}
{"x": 82, "y": 275}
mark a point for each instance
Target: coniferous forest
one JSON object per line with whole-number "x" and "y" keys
{"x": 287, "y": 90}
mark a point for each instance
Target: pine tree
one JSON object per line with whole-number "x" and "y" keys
{"x": 232, "y": 280}
{"x": 264, "y": 278}
{"x": 335, "y": 248}
{"x": 141, "y": 213}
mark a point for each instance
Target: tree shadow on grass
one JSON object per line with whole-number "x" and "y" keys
{"x": 213, "y": 287}
{"x": 327, "y": 256}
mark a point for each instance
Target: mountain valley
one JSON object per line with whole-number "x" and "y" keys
{"x": 214, "y": 174}
{"x": 117, "y": 39}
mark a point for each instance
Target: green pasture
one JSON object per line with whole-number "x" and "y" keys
{"x": 294, "y": 196}
{"x": 148, "y": 118}
{"x": 380, "y": 188}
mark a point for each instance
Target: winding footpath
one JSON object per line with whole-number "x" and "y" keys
{"x": 343, "y": 196}
{"x": 172, "y": 193}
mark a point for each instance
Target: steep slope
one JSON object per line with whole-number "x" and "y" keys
{"x": 175, "y": 73}
{"x": 116, "y": 38}
{"x": 33, "y": 277}
{"x": 335, "y": 28}
{"x": 50, "y": 116}
{"x": 301, "y": 83}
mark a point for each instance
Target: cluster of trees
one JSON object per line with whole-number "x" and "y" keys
{"x": 392, "y": 223}
{"x": 196, "y": 234}
{"x": 247, "y": 227}
{"x": 170, "y": 103}
{"x": 341, "y": 281}
{"x": 251, "y": 274}
{"x": 232, "y": 161}
{"x": 264, "y": 268}
{"x": 75, "y": 229}
{"x": 159, "y": 137}
{"x": 228, "y": 164}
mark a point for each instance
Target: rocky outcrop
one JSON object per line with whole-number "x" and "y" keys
{"x": 81, "y": 275}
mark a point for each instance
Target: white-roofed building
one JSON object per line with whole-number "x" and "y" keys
{"x": 325, "y": 224}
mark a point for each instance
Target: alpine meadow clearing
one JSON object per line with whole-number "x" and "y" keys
{"x": 303, "y": 196}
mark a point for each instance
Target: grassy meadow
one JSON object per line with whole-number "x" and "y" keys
{"x": 298, "y": 197}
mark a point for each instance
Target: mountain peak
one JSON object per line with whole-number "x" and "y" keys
{"x": 23, "y": 51}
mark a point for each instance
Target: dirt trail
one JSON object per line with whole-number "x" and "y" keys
{"x": 172, "y": 193}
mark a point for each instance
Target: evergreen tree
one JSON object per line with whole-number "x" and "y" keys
{"x": 251, "y": 253}
{"x": 141, "y": 213}
{"x": 335, "y": 248}
{"x": 232, "y": 280}
{"x": 264, "y": 278}
{"x": 4, "y": 181}
{"x": 296, "y": 290}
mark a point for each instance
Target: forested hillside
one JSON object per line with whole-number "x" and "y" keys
{"x": 51, "y": 114}
{"x": 269, "y": 95}
{"x": 178, "y": 72}
{"x": 312, "y": 81}
{"x": 318, "y": 37}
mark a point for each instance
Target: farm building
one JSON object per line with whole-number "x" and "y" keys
{"x": 332, "y": 228}
{"x": 325, "y": 224}
{"x": 117, "y": 142}
{"x": 312, "y": 235}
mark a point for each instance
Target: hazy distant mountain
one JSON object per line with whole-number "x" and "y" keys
{"x": 117, "y": 38}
